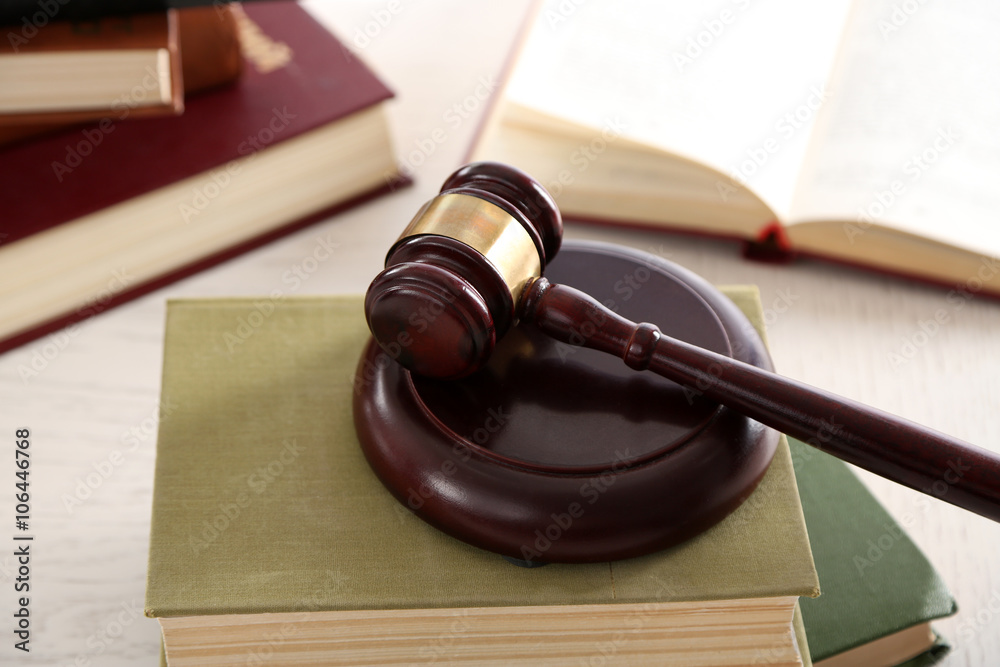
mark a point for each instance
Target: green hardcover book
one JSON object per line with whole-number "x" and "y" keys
{"x": 880, "y": 593}
{"x": 272, "y": 541}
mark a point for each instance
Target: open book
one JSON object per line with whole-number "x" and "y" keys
{"x": 864, "y": 132}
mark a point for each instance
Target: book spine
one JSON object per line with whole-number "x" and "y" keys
{"x": 771, "y": 245}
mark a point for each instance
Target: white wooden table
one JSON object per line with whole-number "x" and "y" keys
{"x": 832, "y": 327}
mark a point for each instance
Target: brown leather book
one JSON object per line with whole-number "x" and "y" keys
{"x": 69, "y": 72}
{"x": 209, "y": 50}
{"x": 210, "y": 47}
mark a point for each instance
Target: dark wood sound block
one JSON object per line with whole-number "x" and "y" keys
{"x": 554, "y": 453}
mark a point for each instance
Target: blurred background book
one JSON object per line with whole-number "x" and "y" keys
{"x": 83, "y": 71}
{"x": 205, "y": 43}
{"x": 831, "y": 132}
{"x": 25, "y": 14}
{"x": 99, "y": 214}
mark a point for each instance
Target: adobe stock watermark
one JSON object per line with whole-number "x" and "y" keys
{"x": 585, "y": 155}
{"x": 221, "y": 178}
{"x": 785, "y": 127}
{"x": 99, "y": 641}
{"x": 247, "y": 325}
{"x": 495, "y": 421}
{"x": 554, "y": 15}
{"x": 273, "y": 640}
{"x": 256, "y": 484}
{"x": 138, "y": 434}
{"x": 927, "y": 328}
{"x": 92, "y": 137}
{"x": 912, "y": 170}
{"x": 899, "y": 15}
{"x": 294, "y": 277}
{"x": 31, "y": 22}
{"x": 452, "y": 119}
{"x": 54, "y": 344}
{"x": 625, "y": 289}
{"x": 751, "y": 508}
{"x": 711, "y": 30}
{"x": 420, "y": 320}
{"x": 439, "y": 646}
{"x": 379, "y": 21}
{"x": 579, "y": 334}
{"x": 984, "y": 617}
{"x": 714, "y": 374}
{"x": 782, "y": 302}
{"x": 939, "y": 488}
{"x": 589, "y": 493}
{"x": 607, "y": 651}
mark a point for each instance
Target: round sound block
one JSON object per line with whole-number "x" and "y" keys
{"x": 554, "y": 453}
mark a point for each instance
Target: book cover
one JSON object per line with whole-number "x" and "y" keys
{"x": 210, "y": 518}
{"x": 875, "y": 580}
{"x": 284, "y": 515}
{"x": 300, "y": 79}
{"x": 302, "y": 106}
{"x": 210, "y": 47}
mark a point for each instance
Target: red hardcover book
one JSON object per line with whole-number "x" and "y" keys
{"x": 98, "y": 215}
{"x": 794, "y": 132}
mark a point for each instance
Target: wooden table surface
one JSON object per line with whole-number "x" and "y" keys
{"x": 829, "y": 326}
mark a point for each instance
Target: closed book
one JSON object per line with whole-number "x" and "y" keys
{"x": 210, "y": 46}
{"x": 880, "y": 592}
{"x": 210, "y": 57}
{"x": 98, "y": 215}
{"x": 69, "y": 72}
{"x": 272, "y": 540}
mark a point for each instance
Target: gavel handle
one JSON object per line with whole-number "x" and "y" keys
{"x": 897, "y": 449}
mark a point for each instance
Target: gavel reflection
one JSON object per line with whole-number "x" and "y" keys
{"x": 473, "y": 257}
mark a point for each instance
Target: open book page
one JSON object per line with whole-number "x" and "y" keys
{"x": 734, "y": 84}
{"x": 909, "y": 136}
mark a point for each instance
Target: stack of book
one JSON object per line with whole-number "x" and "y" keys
{"x": 138, "y": 149}
{"x": 280, "y": 546}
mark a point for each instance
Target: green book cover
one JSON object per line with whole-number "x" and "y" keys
{"x": 263, "y": 501}
{"x": 875, "y": 580}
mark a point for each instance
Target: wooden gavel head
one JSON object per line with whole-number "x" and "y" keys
{"x": 455, "y": 277}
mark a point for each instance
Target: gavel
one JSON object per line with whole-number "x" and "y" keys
{"x": 469, "y": 267}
